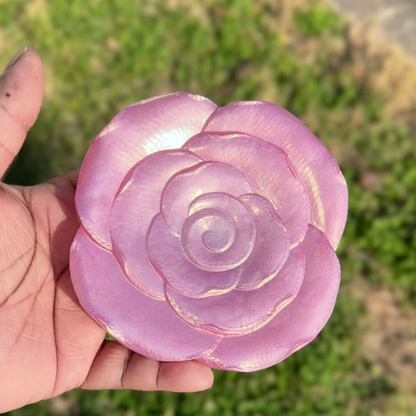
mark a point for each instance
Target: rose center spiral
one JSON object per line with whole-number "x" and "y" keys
{"x": 219, "y": 232}
{"x": 217, "y": 241}
{"x": 214, "y": 228}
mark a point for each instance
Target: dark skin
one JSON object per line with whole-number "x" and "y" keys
{"x": 48, "y": 344}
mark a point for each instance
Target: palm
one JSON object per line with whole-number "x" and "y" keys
{"x": 47, "y": 340}
{"x": 48, "y": 344}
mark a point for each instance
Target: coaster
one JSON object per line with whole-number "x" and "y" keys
{"x": 209, "y": 233}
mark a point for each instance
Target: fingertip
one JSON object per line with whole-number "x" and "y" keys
{"x": 204, "y": 376}
{"x": 22, "y": 87}
{"x": 183, "y": 377}
{"x": 21, "y": 95}
{"x": 209, "y": 378}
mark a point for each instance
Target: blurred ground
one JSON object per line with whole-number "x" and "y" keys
{"x": 396, "y": 20}
{"x": 354, "y": 90}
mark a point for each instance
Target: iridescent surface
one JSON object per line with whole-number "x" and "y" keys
{"x": 159, "y": 123}
{"x": 145, "y": 325}
{"x": 209, "y": 233}
{"x": 270, "y": 251}
{"x": 268, "y": 169}
{"x": 241, "y": 312}
{"x": 187, "y": 185}
{"x": 325, "y": 186}
{"x": 295, "y": 325}
{"x": 170, "y": 260}
{"x": 129, "y": 223}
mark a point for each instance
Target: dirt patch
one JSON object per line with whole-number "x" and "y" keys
{"x": 395, "y": 20}
{"x": 389, "y": 345}
{"x": 385, "y": 69}
{"x": 372, "y": 62}
{"x": 390, "y": 337}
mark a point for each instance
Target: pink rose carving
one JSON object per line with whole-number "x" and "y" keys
{"x": 209, "y": 233}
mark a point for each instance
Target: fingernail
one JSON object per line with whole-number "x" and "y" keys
{"x": 16, "y": 58}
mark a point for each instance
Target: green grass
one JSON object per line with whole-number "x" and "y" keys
{"x": 103, "y": 55}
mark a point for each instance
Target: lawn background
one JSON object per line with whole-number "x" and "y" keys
{"x": 103, "y": 55}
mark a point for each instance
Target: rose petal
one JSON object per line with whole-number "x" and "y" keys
{"x": 241, "y": 312}
{"x": 133, "y": 210}
{"x": 271, "y": 248}
{"x": 297, "y": 324}
{"x": 219, "y": 233}
{"x": 201, "y": 179}
{"x": 145, "y": 325}
{"x": 326, "y": 187}
{"x": 267, "y": 168}
{"x": 168, "y": 257}
{"x": 159, "y": 123}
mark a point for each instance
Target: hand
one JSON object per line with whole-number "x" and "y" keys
{"x": 48, "y": 344}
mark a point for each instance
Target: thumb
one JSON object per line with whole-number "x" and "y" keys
{"x": 21, "y": 94}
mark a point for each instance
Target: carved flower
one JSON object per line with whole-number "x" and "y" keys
{"x": 209, "y": 233}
